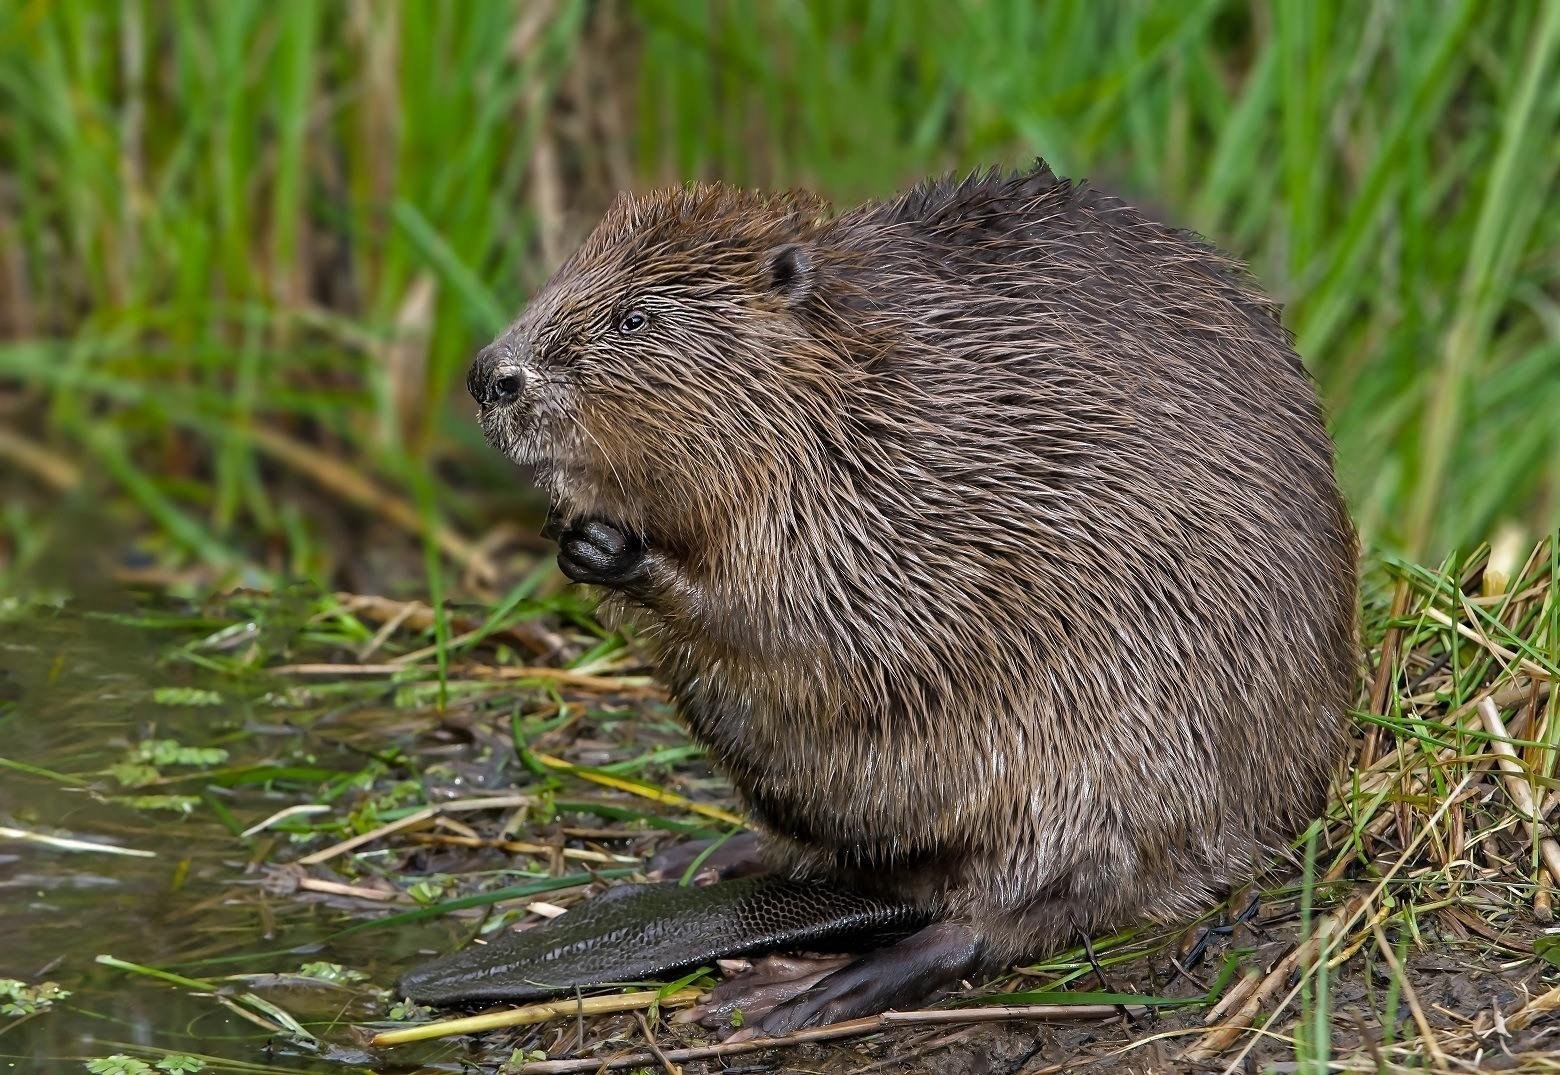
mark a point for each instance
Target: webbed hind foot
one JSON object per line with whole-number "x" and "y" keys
{"x": 903, "y": 973}
{"x": 756, "y": 992}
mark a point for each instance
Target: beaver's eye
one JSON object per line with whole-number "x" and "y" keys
{"x": 635, "y": 321}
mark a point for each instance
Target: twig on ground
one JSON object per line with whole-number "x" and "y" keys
{"x": 928, "y": 1043}
{"x": 337, "y": 888}
{"x": 655, "y": 1050}
{"x": 850, "y": 1029}
{"x": 1248, "y": 1005}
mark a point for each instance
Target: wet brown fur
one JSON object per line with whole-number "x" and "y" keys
{"x": 996, "y": 550}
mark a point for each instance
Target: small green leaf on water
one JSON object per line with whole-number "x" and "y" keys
{"x": 183, "y": 804}
{"x": 147, "y": 758}
{"x": 185, "y": 696}
{"x": 176, "y": 1063}
{"x": 429, "y": 890}
{"x": 406, "y": 1011}
{"x": 133, "y": 774}
{"x": 172, "y": 752}
{"x": 290, "y": 698}
{"x": 331, "y": 972}
{"x": 118, "y": 1064}
{"x": 19, "y": 998}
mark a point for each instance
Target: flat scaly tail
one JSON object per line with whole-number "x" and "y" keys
{"x": 634, "y": 933}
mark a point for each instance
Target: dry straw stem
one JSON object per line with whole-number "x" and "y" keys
{"x": 1385, "y": 664}
{"x": 392, "y": 615}
{"x": 1540, "y": 1005}
{"x": 497, "y": 802}
{"x": 337, "y": 888}
{"x": 1397, "y": 786}
{"x": 1514, "y": 776}
{"x": 853, "y": 1028}
{"x": 53, "y": 470}
{"x": 537, "y": 1013}
{"x": 1410, "y": 994}
{"x": 525, "y": 847}
{"x": 562, "y": 676}
{"x": 296, "y": 810}
{"x": 1408, "y": 766}
{"x": 1482, "y": 1037}
{"x": 1532, "y": 668}
{"x": 1255, "y": 992}
{"x": 1312, "y": 951}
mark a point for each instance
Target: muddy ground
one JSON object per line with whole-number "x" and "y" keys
{"x": 217, "y": 888}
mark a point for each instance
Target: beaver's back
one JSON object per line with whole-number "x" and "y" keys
{"x": 1072, "y": 556}
{"x": 1010, "y": 572}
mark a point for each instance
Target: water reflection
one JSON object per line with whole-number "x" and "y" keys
{"x": 78, "y": 691}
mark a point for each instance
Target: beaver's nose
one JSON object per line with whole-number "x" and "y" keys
{"x": 494, "y": 378}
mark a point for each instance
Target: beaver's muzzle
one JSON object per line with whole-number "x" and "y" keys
{"x": 495, "y": 377}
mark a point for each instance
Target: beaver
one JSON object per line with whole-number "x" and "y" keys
{"x": 987, "y": 537}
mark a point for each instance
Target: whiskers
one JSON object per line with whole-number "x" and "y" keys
{"x": 602, "y": 452}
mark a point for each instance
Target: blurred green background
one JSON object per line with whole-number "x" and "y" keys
{"x": 247, "y": 248}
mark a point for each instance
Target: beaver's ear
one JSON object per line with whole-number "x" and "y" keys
{"x": 788, "y": 272}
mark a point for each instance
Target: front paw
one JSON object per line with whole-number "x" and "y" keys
{"x": 596, "y": 552}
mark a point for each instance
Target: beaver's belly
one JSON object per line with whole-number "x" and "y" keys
{"x": 865, "y": 801}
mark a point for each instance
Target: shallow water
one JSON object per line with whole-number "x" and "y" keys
{"x": 76, "y": 694}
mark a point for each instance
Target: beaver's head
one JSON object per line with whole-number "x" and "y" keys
{"x": 678, "y": 353}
